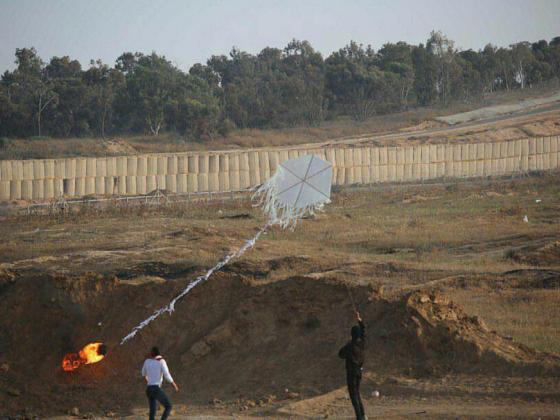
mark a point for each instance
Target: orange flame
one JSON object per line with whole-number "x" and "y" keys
{"x": 91, "y": 353}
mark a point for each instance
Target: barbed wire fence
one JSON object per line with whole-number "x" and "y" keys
{"x": 162, "y": 198}
{"x": 156, "y": 198}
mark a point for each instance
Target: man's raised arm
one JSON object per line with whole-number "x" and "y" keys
{"x": 361, "y": 324}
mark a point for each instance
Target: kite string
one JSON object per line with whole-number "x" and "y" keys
{"x": 170, "y": 307}
{"x": 351, "y": 297}
{"x": 279, "y": 212}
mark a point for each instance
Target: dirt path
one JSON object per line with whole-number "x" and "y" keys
{"x": 400, "y": 397}
{"x": 493, "y": 123}
{"x": 498, "y": 110}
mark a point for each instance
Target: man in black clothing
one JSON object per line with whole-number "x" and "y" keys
{"x": 353, "y": 353}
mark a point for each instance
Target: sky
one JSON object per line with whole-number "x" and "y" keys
{"x": 191, "y": 31}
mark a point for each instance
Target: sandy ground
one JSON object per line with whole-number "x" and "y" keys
{"x": 497, "y": 110}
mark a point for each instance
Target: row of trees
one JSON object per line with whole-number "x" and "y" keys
{"x": 275, "y": 88}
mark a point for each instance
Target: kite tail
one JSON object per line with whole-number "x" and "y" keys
{"x": 284, "y": 215}
{"x": 170, "y": 307}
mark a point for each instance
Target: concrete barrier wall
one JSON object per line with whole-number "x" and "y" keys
{"x": 46, "y": 179}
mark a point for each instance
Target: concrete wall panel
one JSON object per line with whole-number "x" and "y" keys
{"x": 237, "y": 170}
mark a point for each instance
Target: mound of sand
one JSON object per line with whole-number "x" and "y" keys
{"x": 546, "y": 255}
{"x": 230, "y": 338}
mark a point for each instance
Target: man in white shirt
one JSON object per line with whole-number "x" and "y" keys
{"x": 154, "y": 370}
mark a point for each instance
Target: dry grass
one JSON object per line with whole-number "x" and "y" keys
{"x": 51, "y": 148}
{"x": 531, "y": 317}
{"x": 464, "y": 226}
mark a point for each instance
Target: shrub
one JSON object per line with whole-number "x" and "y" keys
{"x": 36, "y": 138}
{"x": 511, "y": 254}
{"x": 225, "y": 126}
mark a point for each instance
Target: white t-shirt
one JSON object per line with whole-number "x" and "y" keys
{"x": 155, "y": 370}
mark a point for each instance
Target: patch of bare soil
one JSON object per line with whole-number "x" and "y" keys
{"x": 424, "y": 125}
{"x": 118, "y": 147}
{"x": 547, "y": 127}
{"x": 232, "y": 341}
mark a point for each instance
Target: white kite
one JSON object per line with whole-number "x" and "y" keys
{"x": 299, "y": 187}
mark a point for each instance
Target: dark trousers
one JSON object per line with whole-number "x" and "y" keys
{"x": 155, "y": 394}
{"x": 353, "y": 380}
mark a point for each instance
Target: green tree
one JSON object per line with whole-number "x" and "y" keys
{"x": 397, "y": 59}
{"x": 504, "y": 68}
{"x": 445, "y": 58}
{"x": 354, "y": 81}
{"x": 522, "y": 57}
{"x": 150, "y": 81}
{"x": 424, "y": 75}
{"x": 68, "y": 115}
{"x": 35, "y": 90}
{"x": 103, "y": 83}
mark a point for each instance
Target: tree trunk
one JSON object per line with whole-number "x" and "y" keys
{"x": 41, "y": 106}
{"x": 39, "y": 110}
{"x": 154, "y": 126}
{"x": 103, "y": 122}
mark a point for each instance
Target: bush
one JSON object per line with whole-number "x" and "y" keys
{"x": 36, "y": 138}
{"x": 3, "y": 142}
{"x": 511, "y": 254}
{"x": 225, "y": 126}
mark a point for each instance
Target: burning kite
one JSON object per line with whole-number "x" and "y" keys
{"x": 91, "y": 353}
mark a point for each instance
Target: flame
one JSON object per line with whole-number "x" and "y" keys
{"x": 91, "y": 353}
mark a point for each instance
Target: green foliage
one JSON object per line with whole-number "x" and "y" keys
{"x": 354, "y": 81}
{"x": 293, "y": 86}
{"x": 38, "y": 138}
{"x": 276, "y": 88}
{"x": 225, "y": 126}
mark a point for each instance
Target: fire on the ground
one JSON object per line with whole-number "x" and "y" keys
{"x": 91, "y": 353}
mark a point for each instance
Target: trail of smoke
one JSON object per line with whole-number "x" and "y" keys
{"x": 170, "y": 307}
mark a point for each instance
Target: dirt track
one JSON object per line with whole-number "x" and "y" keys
{"x": 544, "y": 120}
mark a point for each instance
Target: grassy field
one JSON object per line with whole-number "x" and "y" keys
{"x": 531, "y": 317}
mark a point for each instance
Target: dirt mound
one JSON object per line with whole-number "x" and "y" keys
{"x": 231, "y": 338}
{"x": 424, "y": 125}
{"x": 447, "y": 338}
{"x": 118, "y": 147}
{"x": 546, "y": 255}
